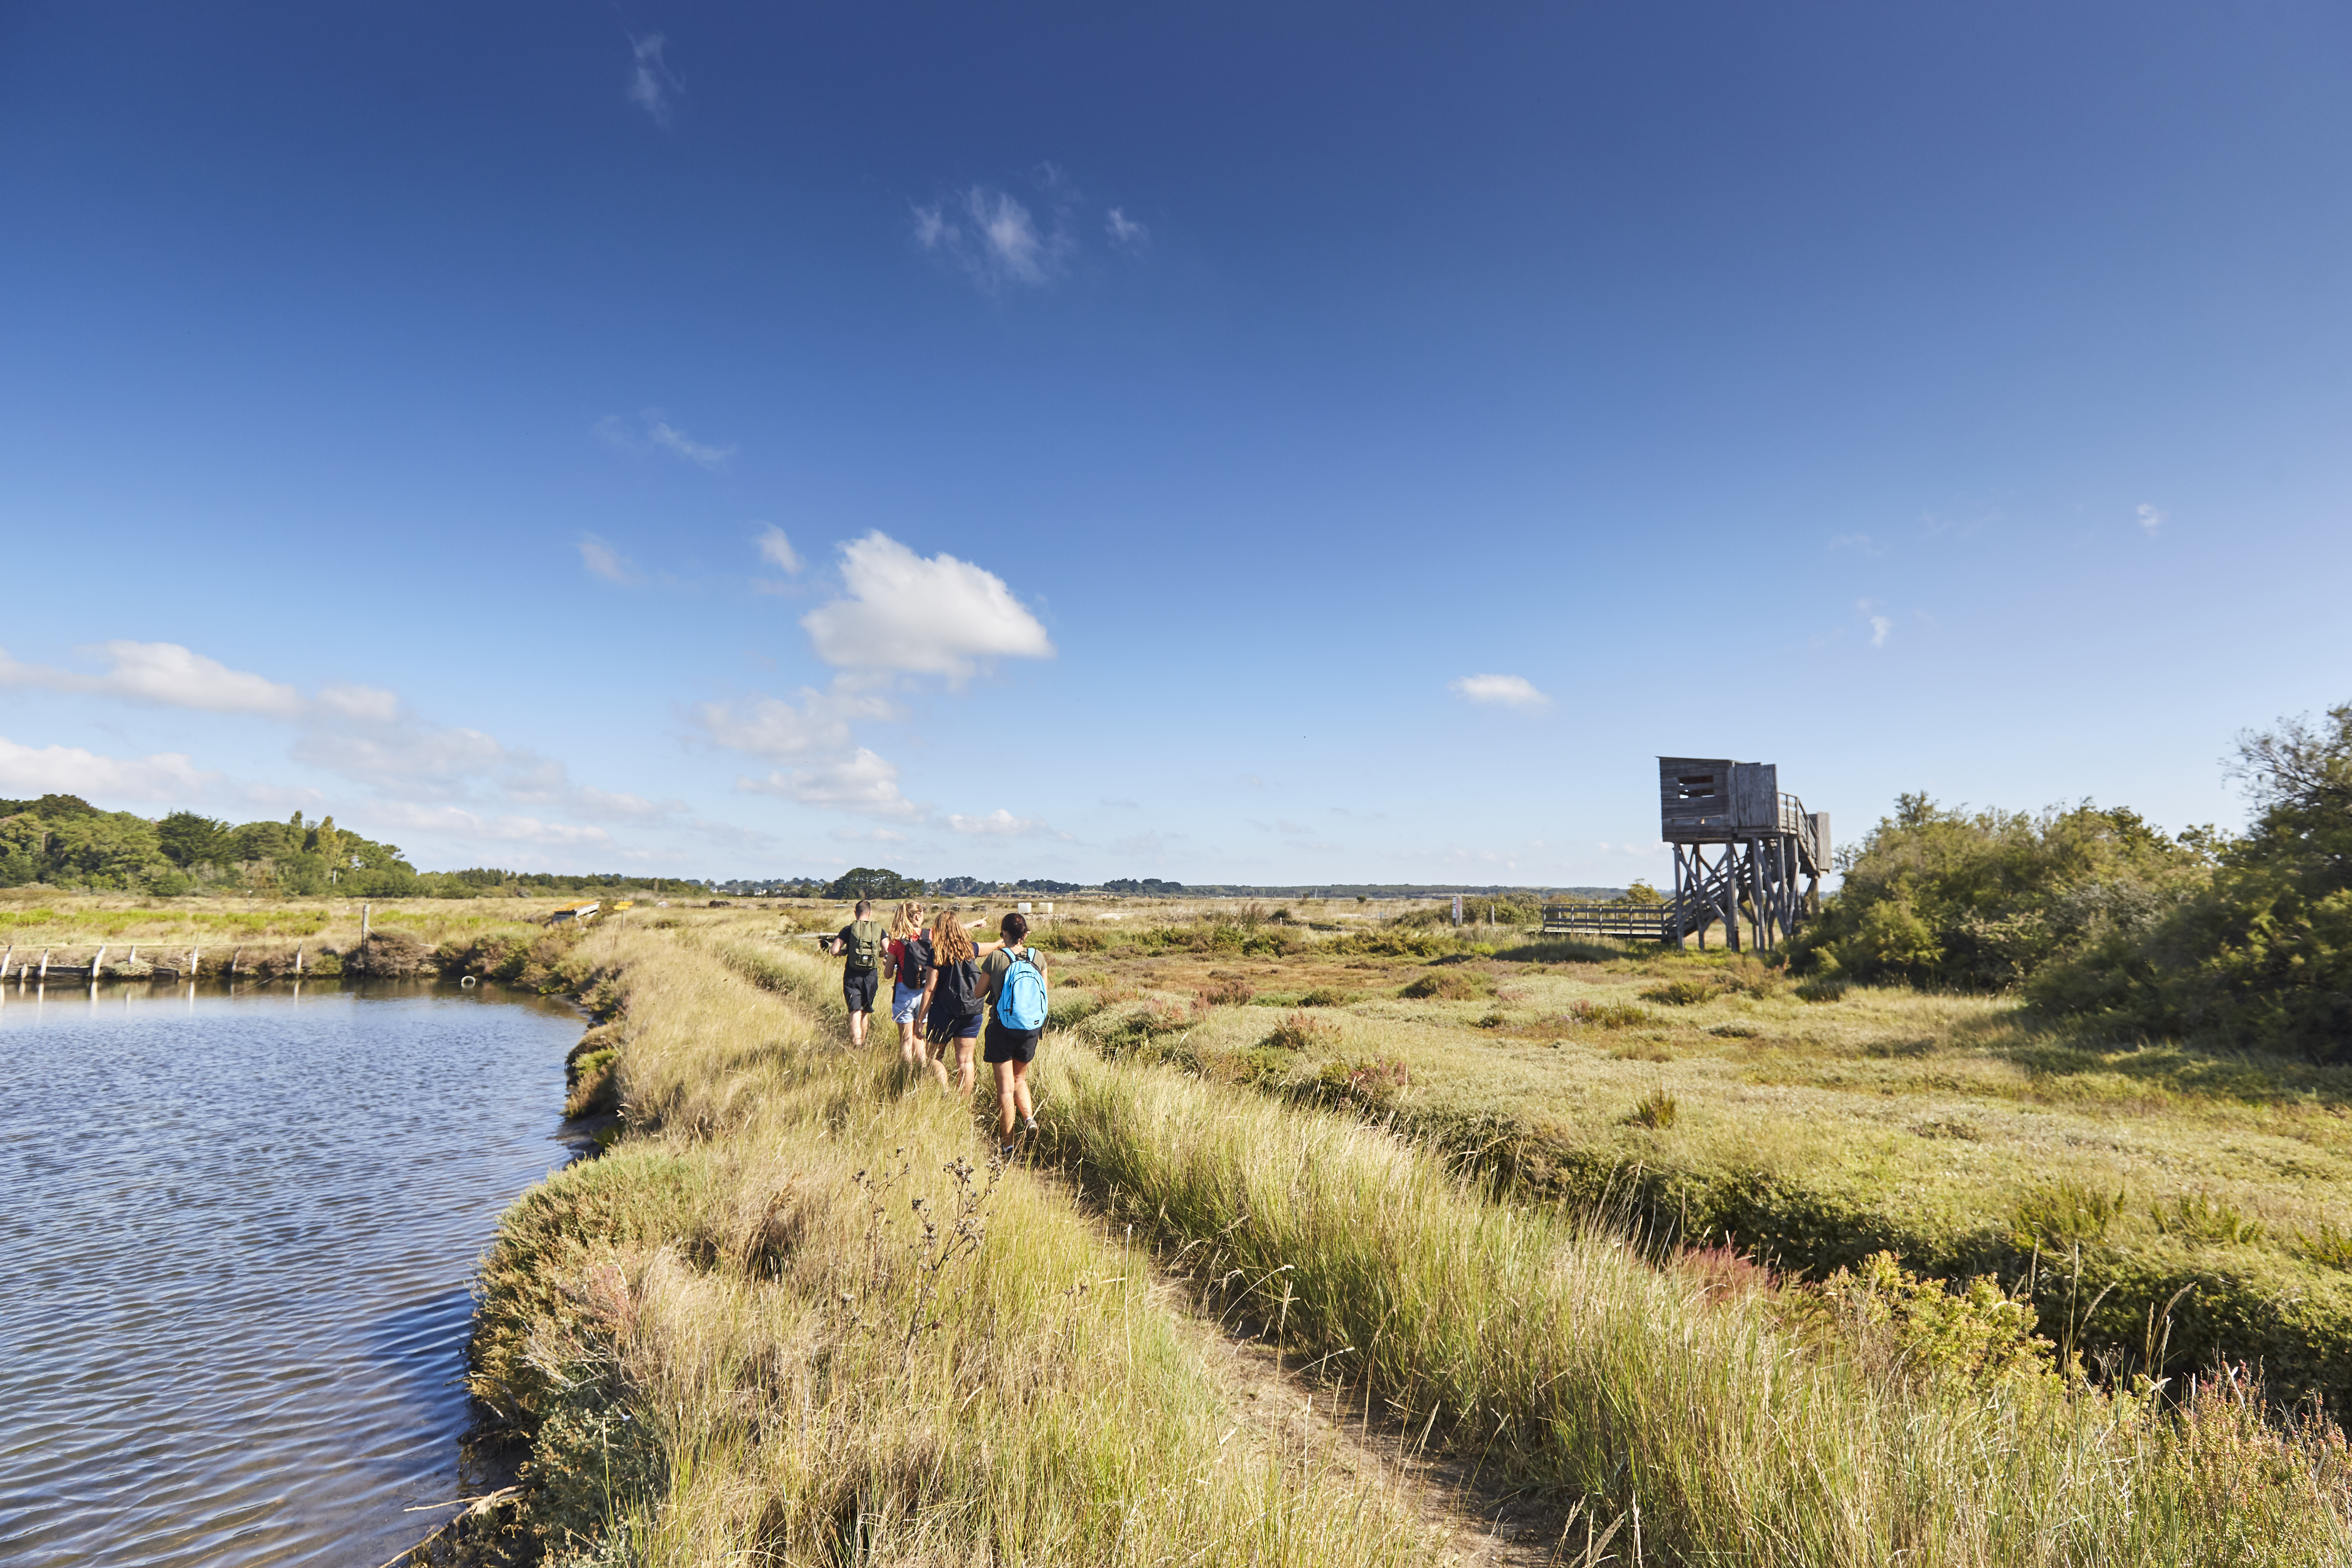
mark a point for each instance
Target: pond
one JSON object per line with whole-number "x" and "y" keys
{"x": 238, "y": 1237}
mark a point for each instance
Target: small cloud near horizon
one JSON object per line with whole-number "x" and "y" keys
{"x": 1500, "y": 691}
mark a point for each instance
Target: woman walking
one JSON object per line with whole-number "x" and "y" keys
{"x": 1016, "y": 994}
{"x": 911, "y": 968}
{"x": 952, "y": 996}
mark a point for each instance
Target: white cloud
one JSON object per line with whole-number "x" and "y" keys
{"x": 604, "y": 561}
{"x": 933, "y": 616}
{"x": 1880, "y": 626}
{"x": 164, "y": 675}
{"x": 653, "y": 432}
{"x": 364, "y": 704}
{"x": 999, "y": 822}
{"x": 777, "y": 550}
{"x": 993, "y": 238}
{"x": 454, "y": 822}
{"x": 70, "y": 770}
{"x": 2149, "y": 517}
{"x": 860, "y": 782}
{"x": 780, "y": 731}
{"x": 411, "y": 761}
{"x": 1500, "y": 691}
{"x": 651, "y": 81}
{"x": 1125, "y": 231}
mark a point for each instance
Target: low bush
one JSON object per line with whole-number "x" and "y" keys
{"x": 1448, "y": 985}
{"x": 1588, "y": 1014}
{"x": 1655, "y": 1111}
{"x": 1299, "y": 1032}
{"x": 1227, "y": 991}
{"x": 1680, "y": 994}
{"x": 1326, "y": 996}
{"x": 1371, "y": 1084}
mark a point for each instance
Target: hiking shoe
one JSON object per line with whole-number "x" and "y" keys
{"x": 1029, "y": 1125}
{"x": 1004, "y": 1152}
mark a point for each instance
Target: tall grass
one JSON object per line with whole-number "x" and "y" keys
{"x": 788, "y": 1320}
{"x": 1532, "y": 1337}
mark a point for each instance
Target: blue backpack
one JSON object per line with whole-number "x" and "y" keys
{"x": 1020, "y": 999}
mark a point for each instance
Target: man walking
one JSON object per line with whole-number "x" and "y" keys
{"x": 861, "y": 942}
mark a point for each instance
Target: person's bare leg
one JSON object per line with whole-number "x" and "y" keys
{"x": 939, "y": 1065}
{"x": 857, "y": 1029}
{"x": 911, "y": 1046}
{"x": 963, "y": 1065}
{"x": 1008, "y": 1076}
{"x": 1021, "y": 1093}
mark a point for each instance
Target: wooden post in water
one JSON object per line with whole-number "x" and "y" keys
{"x": 297, "y": 961}
{"x": 4, "y": 963}
{"x": 195, "y": 957}
{"x": 364, "y": 910}
{"x": 45, "y": 964}
{"x": 132, "y": 962}
{"x": 232, "y": 955}
{"x": 95, "y": 966}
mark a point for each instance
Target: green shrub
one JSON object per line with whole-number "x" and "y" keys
{"x": 2062, "y": 1214}
{"x": 1680, "y": 992}
{"x": 1975, "y": 1333}
{"x": 1655, "y": 1111}
{"x": 1607, "y": 1014}
{"x": 1326, "y": 996}
{"x": 1980, "y": 901}
{"x": 2200, "y": 1218}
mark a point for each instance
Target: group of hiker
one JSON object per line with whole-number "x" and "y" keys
{"x": 950, "y": 993}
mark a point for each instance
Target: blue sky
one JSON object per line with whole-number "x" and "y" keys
{"x": 1251, "y": 443}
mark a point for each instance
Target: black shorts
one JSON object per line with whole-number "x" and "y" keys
{"x": 1004, "y": 1044}
{"x": 858, "y": 988}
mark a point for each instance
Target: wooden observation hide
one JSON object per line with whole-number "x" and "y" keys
{"x": 1741, "y": 847}
{"x": 1742, "y": 850}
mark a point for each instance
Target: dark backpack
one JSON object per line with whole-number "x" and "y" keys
{"x": 865, "y": 943}
{"x": 914, "y": 963}
{"x": 958, "y": 996}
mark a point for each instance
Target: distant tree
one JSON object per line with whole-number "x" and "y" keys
{"x": 188, "y": 839}
{"x": 1641, "y": 892}
{"x": 873, "y": 882}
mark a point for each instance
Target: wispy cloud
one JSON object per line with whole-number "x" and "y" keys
{"x": 2149, "y": 517}
{"x": 455, "y": 822}
{"x": 652, "y": 83}
{"x": 777, "y": 550}
{"x": 1500, "y": 691}
{"x": 778, "y": 730}
{"x": 1001, "y": 824}
{"x": 1125, "y": 231}
{"x": 861, "y": 782}
{"x": 994, "y": 237}
{"x": 1861, "y": 542}
{"x": 652, "y": 432}
{"x": 935, "y": 616}
{"x": 602, "y": 561}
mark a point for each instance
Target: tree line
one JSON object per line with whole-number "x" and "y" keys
{"x": 2095, "y": 915}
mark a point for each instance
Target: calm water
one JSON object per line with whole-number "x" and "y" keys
{"x": 237, "y": 1236}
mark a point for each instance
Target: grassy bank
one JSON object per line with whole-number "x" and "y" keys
{"x": 2121, "y": 1185}
{"x": 789, "y": 1318}
{"x": 739, "y": 1336}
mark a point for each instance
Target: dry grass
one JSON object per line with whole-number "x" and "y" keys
{"x": 813, "y": 1330}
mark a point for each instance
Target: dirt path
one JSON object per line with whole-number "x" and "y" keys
{"x": 1469, "y": 1519}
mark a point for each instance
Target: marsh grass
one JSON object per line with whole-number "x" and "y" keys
{"x": 790, "y": 1318}
{"x": 1552, "y": 1348}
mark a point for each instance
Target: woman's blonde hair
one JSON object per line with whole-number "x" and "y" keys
{"x": 950, "y": 944}
{"x": 908, "y": 921}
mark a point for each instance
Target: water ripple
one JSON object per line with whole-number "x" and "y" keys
{"x": 237, "y": 1244}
